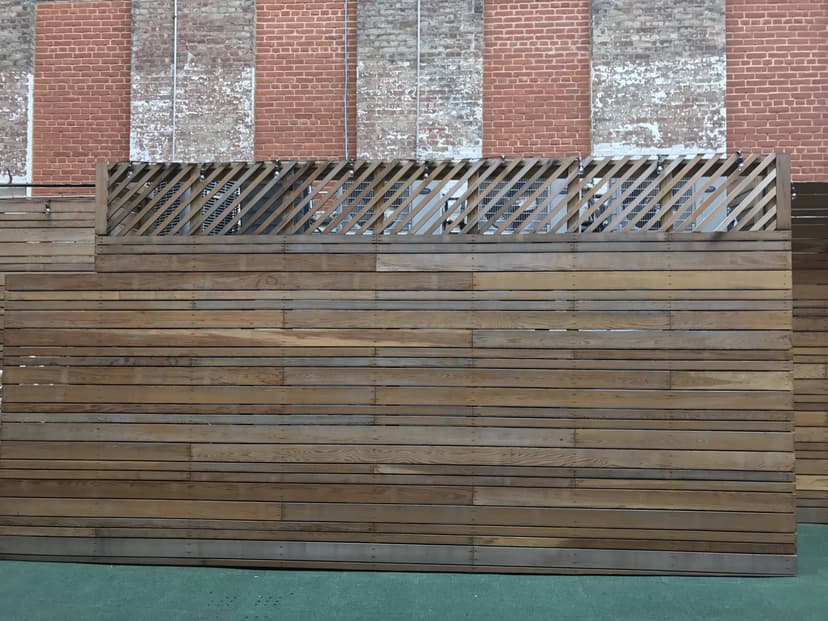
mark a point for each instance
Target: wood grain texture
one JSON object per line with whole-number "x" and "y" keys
{"x": 811, "y": 384}
{"x": 603, "y": 404}
{"x": 810, "y": 349}
{"x": 45, "y": 234}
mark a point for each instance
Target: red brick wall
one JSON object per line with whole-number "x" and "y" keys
{"x": 82, "y": 89}
{"x": 536, "y": 81}
{"x": 536, "y": 78}
{"x": 300, "y": 79}
{"x": 777, "y": 81}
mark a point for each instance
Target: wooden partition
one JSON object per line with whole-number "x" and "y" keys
{"x": 811, "y": 381}
{"x": 45, "y": 234}
{"x": 595, "y": 403}
{"x": 810, "y": 340}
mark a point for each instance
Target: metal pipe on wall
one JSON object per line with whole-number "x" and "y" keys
{"x": 417, "y": 107}
{"x": 174, "y": 69}
{"x": 347, "y": 86}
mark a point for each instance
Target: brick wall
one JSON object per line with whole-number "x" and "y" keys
{"x": 777, "y": 91}
{"x": 214, "y": 80}
{"x": 387, "y": 79}
{"x": 536, "y": 82}
{"x": 300, "y": 79}
{"x": 151, "y": 80}
{"x": 16, "y": 67}
{"x": 450, "y": 79}
{"x": 536, "y": 89}
{"x": 81, "y": 94}
{"x": 658, "y": 76}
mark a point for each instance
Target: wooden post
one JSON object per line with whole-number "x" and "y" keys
{"x": 573, "y": 222}
{"x": 474, "y": 197}
{"x": 783, "y": 192}
{"x": 101, "y": 197}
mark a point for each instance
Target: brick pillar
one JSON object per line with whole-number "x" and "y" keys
{"x": 777, "y": 82}
{"x": 16, "y": 84}
{"x": 213, "y": 116}
{"x": 536, "y": 86}
{"x": 81, "y": 92}
{"x": 300, "y": 79}
{"x": 658, "y": 76}
{"x": 450, "y": 84}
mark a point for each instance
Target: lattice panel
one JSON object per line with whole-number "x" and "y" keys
{"x": 490, "y": 197}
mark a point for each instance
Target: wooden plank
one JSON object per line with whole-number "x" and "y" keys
{"x": 297, "y": 434}
{"x": 137, "y": 375}
{"x": 67, "y": 393}
{"x": 783, "y": 192}
{"x": 140, "y": 281}
{"x": 240, "y": 337}
{"x": 520, "y": 541}
{"x": 482, "y": 319}
{"x": 101, "y": 197}
{"x": 561, "y": 261}
{"x": 393, "y": 553}
{"x": 260, "y": 319}
{"x": 531, "y": 378}
{"x": 618, "y": 340}
{"x": 143, "y": 508}
{"x": 732, "y": 279}
{"x": 235, "y": 262}
{"x": 778, "y": 400}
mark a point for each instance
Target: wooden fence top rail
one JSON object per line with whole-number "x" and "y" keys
{"x": 539, "y": 196}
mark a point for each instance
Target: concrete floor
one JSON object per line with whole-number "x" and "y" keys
{"x": 68, "y": 592}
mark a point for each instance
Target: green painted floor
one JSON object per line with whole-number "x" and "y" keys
{"x": 68, "y": 592}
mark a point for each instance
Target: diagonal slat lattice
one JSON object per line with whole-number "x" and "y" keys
{"x": 489, "y": 197}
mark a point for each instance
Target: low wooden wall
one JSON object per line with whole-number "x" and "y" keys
{"x": 590, "y": 403}
{"x": 811, "y": 381}
{"x": 810, "y": 264}
{"x": 45, "y": 234}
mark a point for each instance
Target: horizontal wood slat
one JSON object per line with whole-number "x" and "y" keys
{"x": 810, "y": 353}
{"x": 484, "y": 197}
{"x": 588, "y": 403}
{"x": 810, "y": 349}
{"x": 810, "y": 218}
{"x": 45, "y": 234}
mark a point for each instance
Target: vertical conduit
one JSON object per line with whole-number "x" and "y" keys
{"x": 345, "y": 96}
{"x": 174, "y": 69}
{"x": 417, "y": 107}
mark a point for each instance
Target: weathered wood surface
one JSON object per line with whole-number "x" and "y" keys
{"x": 810, "y": 218}
{"x": 590, "y": 403}
{"x": 45, "y": 234}
{"x": 810, "y": 261}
